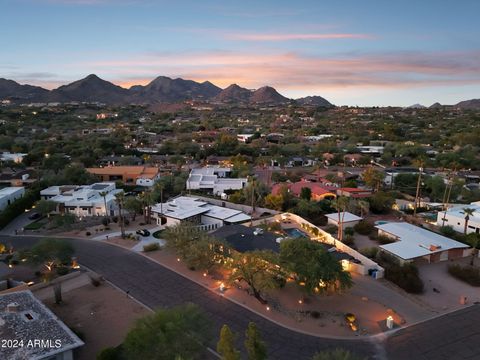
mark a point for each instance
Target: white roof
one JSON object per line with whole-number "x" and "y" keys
{"x": 458, "y": 211}
{"x": 349, "y": 217}
{"x": 184, "y": 207}
{"x": 414, "y": 241}
{"x": 10, "y": 190}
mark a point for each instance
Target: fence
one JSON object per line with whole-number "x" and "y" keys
{"x": 365, "y": 265}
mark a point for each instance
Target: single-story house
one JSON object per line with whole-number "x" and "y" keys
{"x": 413, "y": 243}
{"x": 196, "y": 211}
{"x": 455, "y": 217}
{"x": 10, "y": 194}
{"x": 319, "y": 192}
{"x": 44, "y": 335}
{"x": 349, "y": 219}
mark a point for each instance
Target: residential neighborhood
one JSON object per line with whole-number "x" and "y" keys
{"x": 239, "y": 180}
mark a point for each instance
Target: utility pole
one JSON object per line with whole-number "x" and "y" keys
{"x": 417, "y": 195}
{"x": 447, "y": 200}
{"x": 253, "y": 200}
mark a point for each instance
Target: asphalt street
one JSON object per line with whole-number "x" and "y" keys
{"x": 156, "y": 286}
{"x": 453, "y": 336}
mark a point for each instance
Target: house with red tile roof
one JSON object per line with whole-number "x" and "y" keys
{"x": 319, "y": 192}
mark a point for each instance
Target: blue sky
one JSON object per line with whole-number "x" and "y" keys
{"x": 351, "y": 52}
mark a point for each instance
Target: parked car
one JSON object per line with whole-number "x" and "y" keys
{"x": 34, "y": 216}
{"x": 143, "y": 232}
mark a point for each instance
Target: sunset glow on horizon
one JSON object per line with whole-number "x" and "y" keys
{"x": 354, "y": 54}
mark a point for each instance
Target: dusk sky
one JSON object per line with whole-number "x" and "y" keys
{"x": 350, "y": 52}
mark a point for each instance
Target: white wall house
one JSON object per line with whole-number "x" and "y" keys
{"x": 455, "y": 217}
{"x": 85, "y": 200}
{"x": 193, "y": 210}
{"x": 15, "y": 157}
{"x": 214, "y": 179}
{"x": 349, "y": 219}
{"x": 412, "y": 242}
{"x": 9, "y": 194}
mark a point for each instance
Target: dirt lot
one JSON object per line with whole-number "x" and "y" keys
{"x": 102, "y": 314}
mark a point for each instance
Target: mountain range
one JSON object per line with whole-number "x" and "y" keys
{"x": 160, "y": 90}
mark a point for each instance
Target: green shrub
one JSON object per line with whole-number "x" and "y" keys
{"x": 151, "y": 247}
{"x": 383, "y": 240}
{"x": 331, "y": 229}
{"x": 447, "y": 231}
{"x": 405, "y": 276}
{"x": 110, "y": 353}
{"x": 468, "y": 274}
{"x": 364, "y": 227}
{"x": 62, "y": 270}
{"x": 348, "y": 240}
{"x": 349, "y": 231}
{"x": 370, "y": 252}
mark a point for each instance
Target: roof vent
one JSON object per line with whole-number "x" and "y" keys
{"x": 13, "y": 307}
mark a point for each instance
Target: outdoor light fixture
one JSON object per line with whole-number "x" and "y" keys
{"x": 222, "y": 287}
{"x": 300, "y": 301}
{"x": 390, "y": 322}
{"x": 268, "y": 308}
{"x": 178, "y": 259}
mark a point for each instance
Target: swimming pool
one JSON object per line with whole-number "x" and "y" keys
{"x": 381, "y": 222}
{"x": 295, "y": 233}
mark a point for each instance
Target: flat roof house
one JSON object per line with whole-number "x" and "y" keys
{"x": 9, "y": 194}
{"x": 193, "y": 210}
{"x": 455, "y": 217}
{"x": 214, "y": 179}
{"x": 129, "y": 175}
{"x": 349, "y": 219}
{"x": 84, "y": 200}
{"x": 25, "y": 318}
{"x": 414, "y": 243}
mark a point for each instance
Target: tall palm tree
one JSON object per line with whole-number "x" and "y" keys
{"x": 468, "y": 212}
{"x": 341, "y": 203}
{"x": 120, "y": 198}
{"x": 104, "y": 195}
{"x": 147, "y": 200}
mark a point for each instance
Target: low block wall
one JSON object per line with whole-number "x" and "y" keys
{"x": 366, "y": 263}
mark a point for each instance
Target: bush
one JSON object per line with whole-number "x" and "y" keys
{"x": 315, "y": 314}
{"x": 151, "y": 247}
{"x": 349, "y": 231}
{"x": 406, "y": 277}
{"x": 331, "y": 229}
{"x": 110, "y": 353}
{"x": 62, "y": 270}
{"x": 383, "y": 240}
{"x": 126, "y": 222}
{"x": 105, "y": 221}
{"x": 468, "y": 274}
{"x": 363, "y": 227}
{"x": 88, "y": 233}
{"x": 115, "y": 219}
{"x": 348, "y": 240}
{"x": 370, "y": 252}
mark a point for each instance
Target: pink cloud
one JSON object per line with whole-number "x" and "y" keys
{"x": 290, "y": 71}
{"x": 289, "y": 37}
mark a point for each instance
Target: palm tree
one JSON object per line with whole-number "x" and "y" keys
{"x": 147, "y": 200}
{"x": 120, "y": 198}
{"x": 341, "y": 204}
{"x": 104, "y": 195}
{"x": 468, "y": 212}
